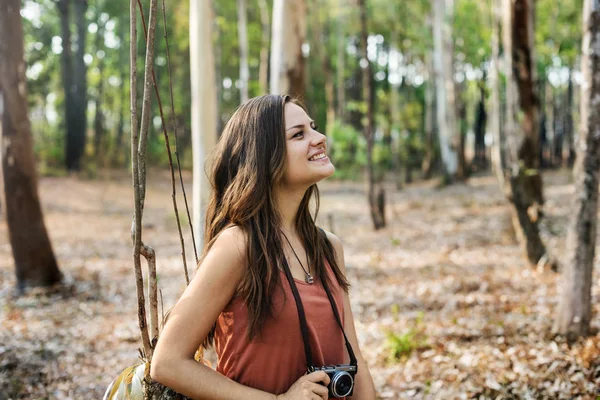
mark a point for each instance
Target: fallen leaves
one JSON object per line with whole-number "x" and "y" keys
{"x": 445, "y": 277}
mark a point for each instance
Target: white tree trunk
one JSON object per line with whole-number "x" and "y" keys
{"x": 497, "y": 147}
{"x": 243, "y": 39}
{"x": 341, "y": 60}
{"x": 510, "y": 126}
{"x": 574, "y": 312}
{"x": 204, "y": 107}
{"x": 443, "y": 61}
{"x": 288, "y": 36}
{"x": 264, "y": 46}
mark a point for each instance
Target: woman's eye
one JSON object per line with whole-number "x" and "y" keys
{"x": 315, "y": 127}
{"x": 298, "y": 133}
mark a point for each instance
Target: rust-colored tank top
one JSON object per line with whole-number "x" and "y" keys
{"x": 273, "y": 361}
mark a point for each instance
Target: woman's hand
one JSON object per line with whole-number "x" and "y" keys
{"x": 308, "y": 388}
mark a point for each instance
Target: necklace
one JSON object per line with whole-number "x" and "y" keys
{"x": 307, "y": 276}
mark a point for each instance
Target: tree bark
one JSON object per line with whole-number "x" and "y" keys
{"x": 204, "y": 114}
{"x": 444, "y": 78}
{"x": 523, "y": 181}
{"x": 79, "y": 116}
{"x": 288, "y": 35}
{"x": 569, "y": 121}
{"x": 243, "y": 39}
{"x": 99, "y": 115}
{"x": 320, "y": 35}
{"x": 574, "y": 312}
{"x": 263, "y": 77}
{"x": 498, "y": 153}
{"x": 35, "y": 263}
{"x": 375, "y": 193}
{"x": 524, "y": 73}
{"x": 340, "y": 65}
{"x": 430, "y": 116}
{"x": 66, "y": 61}
{"x": 480, "y": 160}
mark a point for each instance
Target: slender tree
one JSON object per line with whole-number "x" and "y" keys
{"x": 443, "y": 62}
{"x": 99, "y": 139}
{"x": 34, "y": 259}
{"x": 523, "y": 181}
{"x": 243, "y": 39}
{"x": 375, "y": 193}
{"x": 265, "y": 29}
{"x": 287, "y": 37}
{"x": 574, "y": 311}
{"x": 340, "y": 59}
{"x": 204, "y": 107}
{"x": 498, "y": 146}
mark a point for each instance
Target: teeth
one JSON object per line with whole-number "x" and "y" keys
{"x": 317, "y": 157}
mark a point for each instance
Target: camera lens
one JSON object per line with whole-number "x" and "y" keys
{"x": 341, "y": 384}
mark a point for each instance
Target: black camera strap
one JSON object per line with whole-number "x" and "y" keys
{"x": 304, "y": 326}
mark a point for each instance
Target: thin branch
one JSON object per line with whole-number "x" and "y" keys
{"x": 168, "y": 147}
{"x": 148, "y": 81}
{"x": 187, "y": 208}
{"x": 150, "y": 256}
{"x": 137, "y": 230}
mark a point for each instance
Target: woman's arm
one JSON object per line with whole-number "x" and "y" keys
{"x": 364, "y": 389}
{"x": 191, "y": 319}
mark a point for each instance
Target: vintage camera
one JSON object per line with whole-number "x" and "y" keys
{"x": 342, "y": 379}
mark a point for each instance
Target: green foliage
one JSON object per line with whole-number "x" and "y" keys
{"x": 347, "y": 148}
{"x": 394, "y": 28}
{"x": 402, "y": 345}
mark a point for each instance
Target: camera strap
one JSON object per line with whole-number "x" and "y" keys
{"x": 304, "y": 326}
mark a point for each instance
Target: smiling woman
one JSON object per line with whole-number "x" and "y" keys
{"x": 270, "y": 291}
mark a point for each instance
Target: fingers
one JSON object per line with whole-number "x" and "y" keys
{"x": 311, "y": 387}
{"x": 318, "y": 376}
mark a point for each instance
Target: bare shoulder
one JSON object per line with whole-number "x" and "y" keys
{"x": 339, "y": 249}
{"x": 231, "y": 238}
{"x": 227, "y": 254}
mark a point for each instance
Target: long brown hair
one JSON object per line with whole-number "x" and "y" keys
{"x": 249, "y": 162}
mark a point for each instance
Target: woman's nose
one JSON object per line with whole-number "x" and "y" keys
{"x": 318, "y": 138}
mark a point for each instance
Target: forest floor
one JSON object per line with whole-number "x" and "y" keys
{"x": 445, "y": 305}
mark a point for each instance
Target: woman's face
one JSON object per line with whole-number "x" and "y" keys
{"x": 307, "y": 161}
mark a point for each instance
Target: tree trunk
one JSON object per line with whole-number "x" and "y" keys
{"x": 243, "y": 39}
{"x": 524, "y": 68}
{"x": 375, "y": 192}
{"x": 34, "y": 259}
{"x": 217, "y": 68}
{"x": 559, "y": 132}
{"x": 444, "y": 78}
{"x": 480, "y": 159}
{"x": 66, "y": 61}
{"x": 569, "y": 121}
{"x": 79, "y": 116}
{"x": 498, "y": 152}
{"x": 204, "y": 114}
{"x": 550, "y": 123}
{"x": 428, "y": 159}
{"x": 462, "y": 172}
{"x": 340, "y": 65}
{"x": 99, "y": 115}
{"x": 264, "y": 47}
{"x": 523, "y": 183}
{"x": 320, "y": 35}
{"x": 288, "y": 35}
{"x": 574, "y": 311}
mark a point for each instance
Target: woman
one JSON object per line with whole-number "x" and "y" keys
{"x": 258, "y": 223}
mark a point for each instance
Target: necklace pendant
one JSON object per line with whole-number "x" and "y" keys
{"x": 309, "y": 279}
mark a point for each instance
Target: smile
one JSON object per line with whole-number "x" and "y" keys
{"x": 316, "y": 157}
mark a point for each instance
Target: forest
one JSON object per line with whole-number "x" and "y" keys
{"x": 465, "y": 136}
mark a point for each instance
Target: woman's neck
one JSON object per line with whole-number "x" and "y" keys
{"x": 288, "y": 202}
